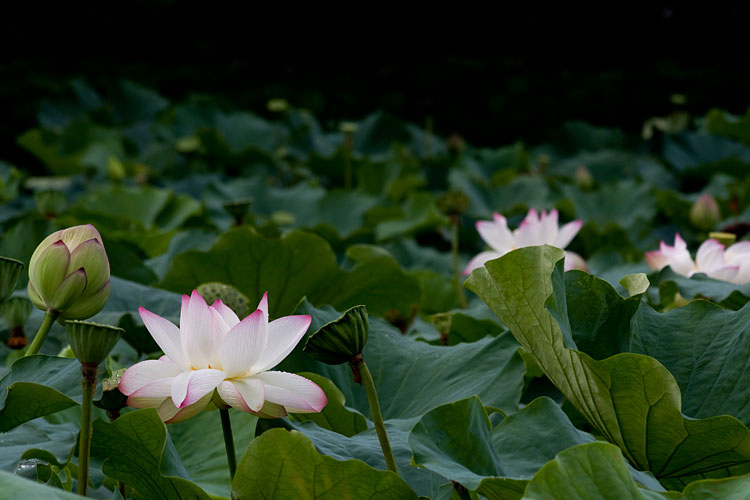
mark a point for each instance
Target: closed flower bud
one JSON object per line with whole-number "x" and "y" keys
{"x": 69, "y": 273}
{"x": 705, "y": 213}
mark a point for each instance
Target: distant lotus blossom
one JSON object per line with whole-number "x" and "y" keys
{"x": 732, "y": 264}
{"x": 534, "y": 230}
{"x": 213, "y": 350}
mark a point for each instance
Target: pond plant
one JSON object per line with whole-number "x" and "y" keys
{"x": 197, "y": 302}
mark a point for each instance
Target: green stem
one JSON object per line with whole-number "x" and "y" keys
{"x": 377, "y": 417}
{"x": 41, "y": 334}
{"x": 84, "y": 446}
{"x": 456, "y": 271}
{"x": 226, "y": 426}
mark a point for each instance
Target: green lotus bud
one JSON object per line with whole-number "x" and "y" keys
{"x": 277, "y": 105}
{"x": 453, "y": 203}
{"x": 69, "y": 273}
{"x": 583, "y": 177}
{"x": 91, "y": 342}
{"x": 10, "y": 270}
{"x": 705, "y": 213}
{"x": 340, "y": 340}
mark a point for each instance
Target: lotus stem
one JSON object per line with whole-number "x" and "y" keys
{"x": 88, "y": 370}
{"x": 456, "y": 271}
{"x": 226, "y": 427}
{"x": 41, "y": 334}
{"x": 377, "y": 417}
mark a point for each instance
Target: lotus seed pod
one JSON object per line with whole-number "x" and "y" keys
{"x": 69, "y": 273}
{"x": 229, "y": 295}
{"x": 91, "y": 342}
{"x": 340, "y": 340}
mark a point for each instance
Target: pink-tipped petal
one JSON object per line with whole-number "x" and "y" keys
{"x": 573, "y": 261}
{"x": 230, "y": 318}
{"x": 725, "y": 273}
{"x": 548, "y": 227}
{"x": 158, "y": 389}
{"x": 656, "y": 260}
{"x": 283, "y": 335}
{"x": 710, "y": 256}
{"x": 183, "y": 413}
{"x": 198, "y": 331}
{"x": 292, "y": 391}
{"x": 189, "y": 387}
{"x": 244, "y": 344}
{"x": 144, "y": 373}
{"x": 246, "y": 394}
{"x": 530, "y": 232}
{"x": 166, "y": 335}
{"x": 496, "y": 234}
{"x": 263, "y": 304}
{"x": 566, "y": 233}
{"x": 479, "y": 260}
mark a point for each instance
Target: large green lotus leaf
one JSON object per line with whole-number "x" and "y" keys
{"x": 700, "y": 285}
{"x": 630, "y": 399}
{"x": 13, "y": 486}
{"x": 39, "y": 439}
{"x": 296, "y": 265}
{"x": 20, "y": 240}
{"x": 522, "y": 191}
{"x": 707, "y": 349}
{"x": 135, "y": 450}
{"x": 598, "y": 318}
{"x": 457, "y": 441}
{"x": 335, "y": 416}
{"x": 39, "y": 385}
{"x": 190, "y": 239}
{"x": 722, "y": 123}
{"x": 365, "y": 446}
{"x": 377, "y": 133}
{"x": 419, "y": 212}
{"x": 413, "y": 377}
{"x": 243, "y": 131}
{"x": 199, "y": 442}
{"x": 147, "y": 206}
{"x": 281, "y": 464}
{"x": 627, "y": 204}
{"x": 597, "y": 471}
{"x": 705, "y": 155}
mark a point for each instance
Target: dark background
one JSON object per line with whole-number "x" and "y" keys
{"x": 494, "y": 76}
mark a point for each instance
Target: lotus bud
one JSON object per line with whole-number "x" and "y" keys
{"x": 10, "y": 270}
{"x": 91, "y": 342}
{"x": 69, "y": 273}
{"x": 705, "y": 213}
{"x": 340, "y": 340}
{"x": 583, "y": 177}
{"x": 15, "y": 312}
{"x": 453, "y": 203}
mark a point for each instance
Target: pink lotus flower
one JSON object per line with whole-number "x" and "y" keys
{"x": 213, "y": 350}
{"x": 711, "y": 259}
{"x": 534, "y": 230}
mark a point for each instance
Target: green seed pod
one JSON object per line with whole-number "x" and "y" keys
{"x": 340, "y": 340}
{"x": 15, "y": 311}
{"x": 10, "y": 270}
{"x": 91, "y": 342}
{"x": 50, "y": 203}
{"x": 229, "y": 295}
{"x": 69, "y": 273}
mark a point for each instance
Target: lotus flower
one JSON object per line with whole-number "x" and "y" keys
{"x": 711, "y": 259}
{"x": 213, "y": 350}
{"x": 69, "y": 273}
{"x": 534, "y": 230}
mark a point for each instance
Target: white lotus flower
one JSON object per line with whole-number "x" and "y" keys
{"x": 732, "y": 264}
{"x": 534, "y": 230}
{"x": 213, "y": 349}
